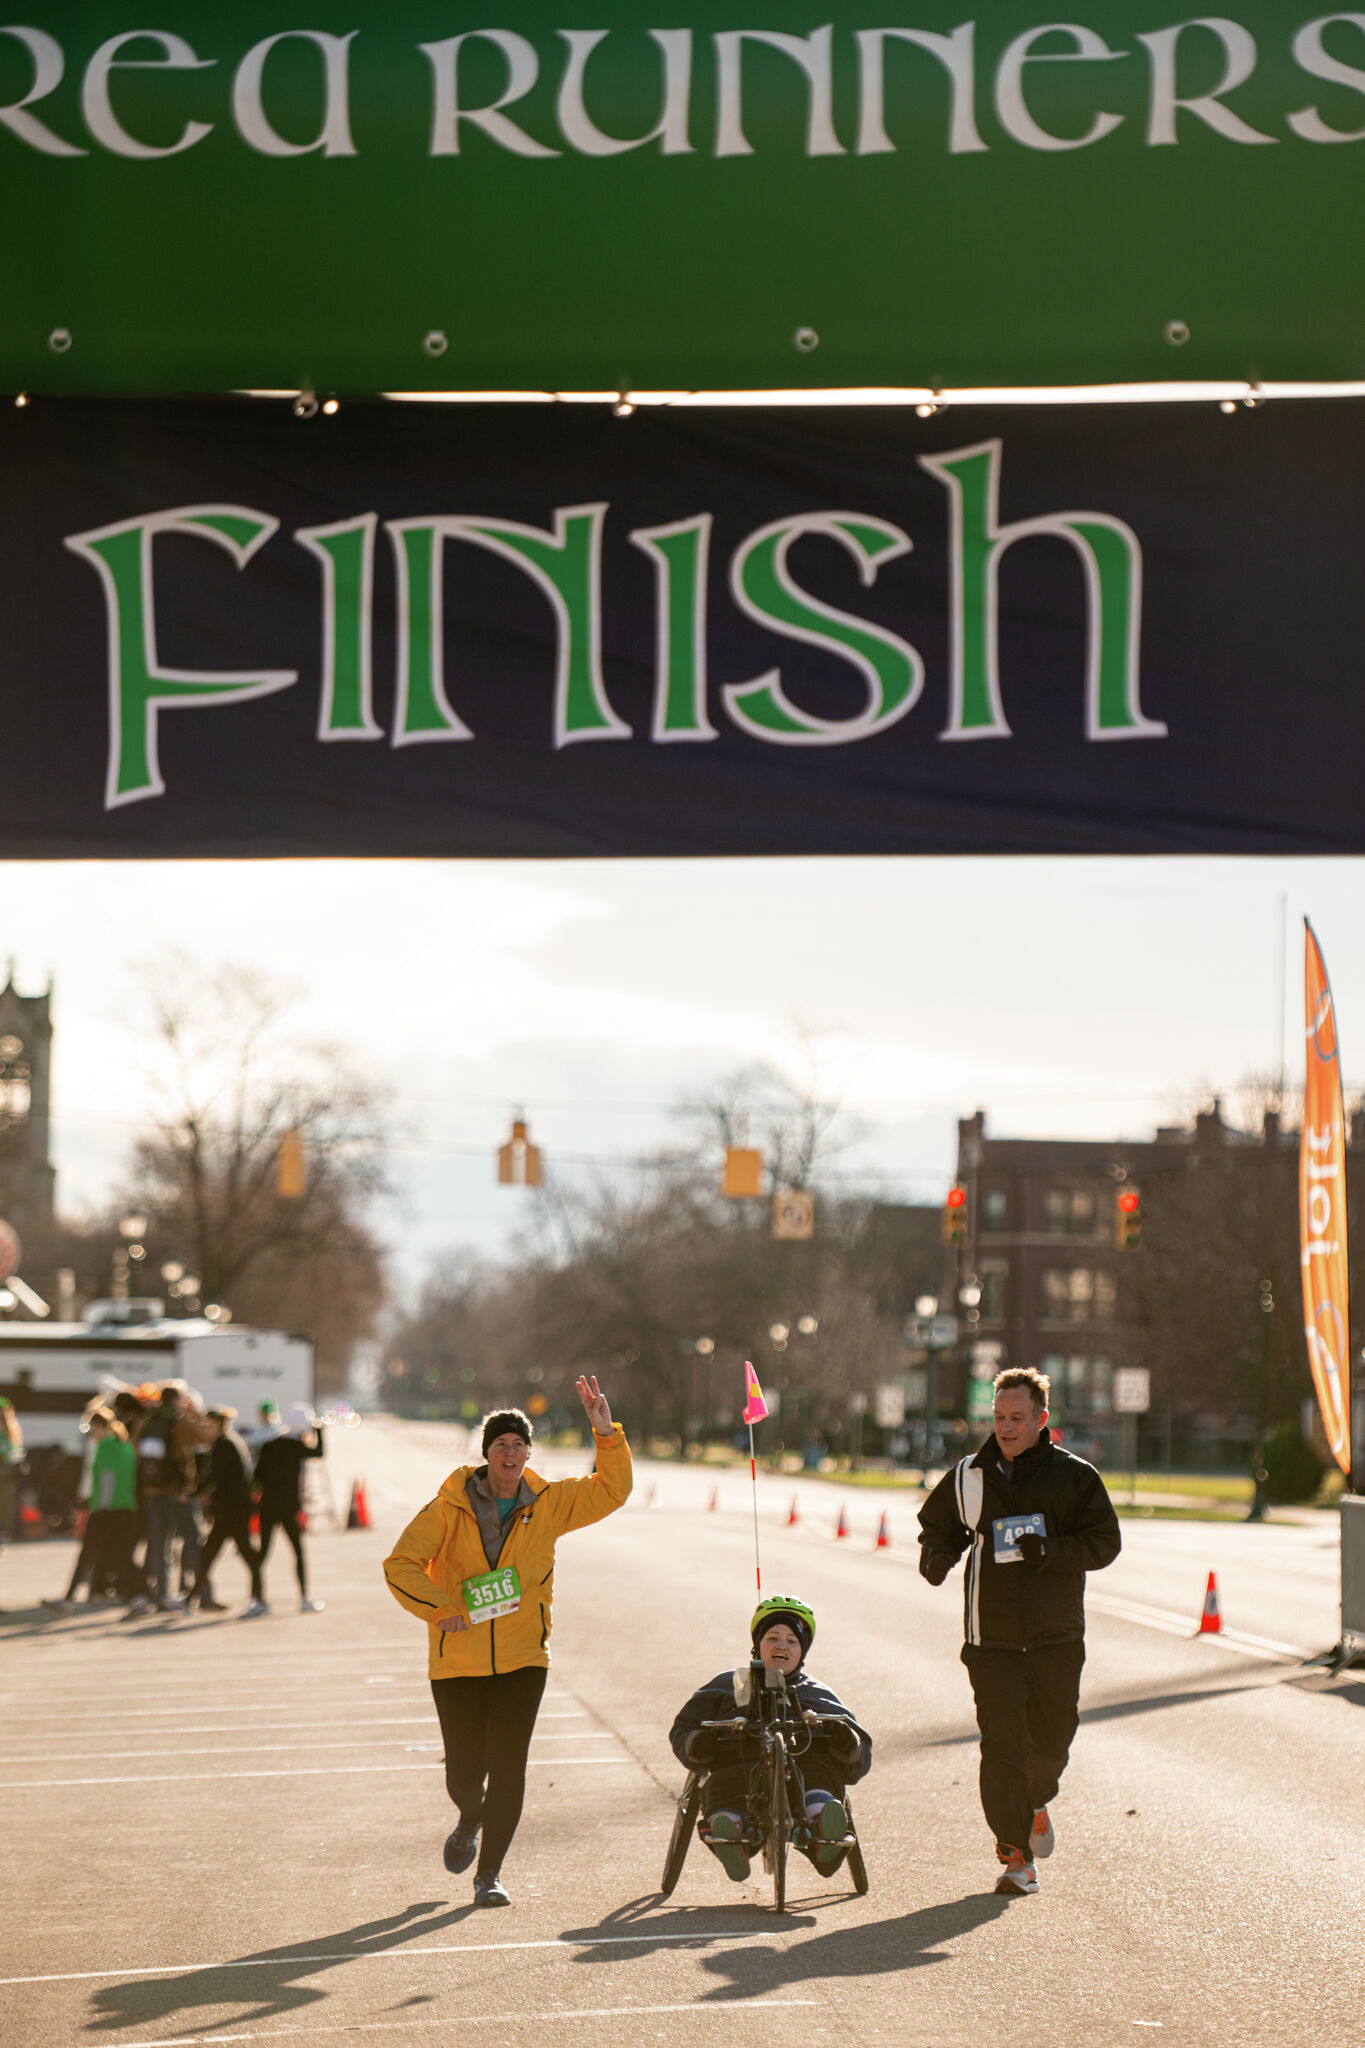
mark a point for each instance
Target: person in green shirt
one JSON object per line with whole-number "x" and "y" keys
{"x": 113, "y": 1507}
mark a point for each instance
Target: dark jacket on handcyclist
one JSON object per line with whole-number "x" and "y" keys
{"x": 714, "y": 1749}
{"x": 1015, "y": 1604}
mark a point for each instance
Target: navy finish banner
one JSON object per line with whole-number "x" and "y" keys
{"x": 544, "y": 630}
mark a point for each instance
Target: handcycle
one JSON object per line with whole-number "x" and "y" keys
{"x": 776, "y": 1804}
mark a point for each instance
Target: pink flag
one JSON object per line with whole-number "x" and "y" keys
{"x": 755, "y": 1407}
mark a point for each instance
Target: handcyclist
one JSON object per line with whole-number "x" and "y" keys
{"x": 782, "y": 1631}
{"x": 477, "y": 1566}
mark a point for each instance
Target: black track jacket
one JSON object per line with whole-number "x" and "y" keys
{"x": 716, "y": 1702}
{"x": 1011, "y": 1606}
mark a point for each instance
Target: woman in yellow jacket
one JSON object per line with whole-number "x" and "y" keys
{"x": 477, "y": 1566}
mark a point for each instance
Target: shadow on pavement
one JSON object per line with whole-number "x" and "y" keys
{"x": 752, "y": 1971}
{"x": 872, "y": 1949}
{"x": 270, "y": 1981}
{"x": 1115, "y": 1710}
{"x": 652, "y": 1914}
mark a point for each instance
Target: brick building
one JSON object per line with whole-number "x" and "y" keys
{"x": 1219, "y": 1219}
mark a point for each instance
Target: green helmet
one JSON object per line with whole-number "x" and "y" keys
{"x": 782, "y": 1607}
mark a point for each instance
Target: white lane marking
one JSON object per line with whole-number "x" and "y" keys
{"x": 281, "y": 1748}
{"x": 194, "y": 1700}
{"x": 566, "y": 1942}
{"x": 1234, "y": 1639}
{"x": 536, "y": 1763}
{"x": 294, "y": 1723}
{"x": 479, "y": 2019}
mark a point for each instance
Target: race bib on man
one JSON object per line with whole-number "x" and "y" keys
{"x": 1007, "y": 1532}
{"x": 492, "y": 1593}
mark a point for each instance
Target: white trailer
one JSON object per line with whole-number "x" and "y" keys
{"x": 52, "y": 1371}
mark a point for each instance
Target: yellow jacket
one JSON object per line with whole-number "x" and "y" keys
{"x": 443, "y": 1546}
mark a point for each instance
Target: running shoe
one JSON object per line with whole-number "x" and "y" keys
{"x": 139, "y": 1604}
{"x": 1018, "y": 1879}
{"x": 253, "y": 1608}
{"x": 722, "y": 1838}
{"x": 1042, "y": 1839}
{"x": 311, "y": 1606}
{"x": 830, "y": 1829}
{"x": 59, "y": 1606}
{"x": 208, "y": 1605}
{"x": 491, "y": 1891}
{"x": 459, "y": 1849}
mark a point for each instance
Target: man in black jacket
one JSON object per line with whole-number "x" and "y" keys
{"x": 228, "y": 1489}
{"x": 278, "y": 1481}
{"x": 1033, "y": 1520}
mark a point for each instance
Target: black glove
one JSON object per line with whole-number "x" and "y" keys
{"x": 844, "y": 1742}
{"x": 934, "y": 1566}
{"x": 701, "y": 1746}
{"x": 1033, "y": 1550}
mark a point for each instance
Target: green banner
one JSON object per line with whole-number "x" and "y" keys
{"x": 407, "y": 197}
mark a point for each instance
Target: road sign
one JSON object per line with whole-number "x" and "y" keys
{"x": 890, "y": 1409}
{"x": 11, "y": 1251}
{"x": 1132, "y": 1390}
{"x": 980, "y": 1401}
{"x": 794, "y": 1214}
{"x": 931, "y": 1333}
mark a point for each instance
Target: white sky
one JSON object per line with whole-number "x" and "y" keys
{"x": 1063, "y": 996}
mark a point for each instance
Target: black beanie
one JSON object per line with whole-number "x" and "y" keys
{"x": 797, "y": 1623}
{"x": 507, "y": 1422}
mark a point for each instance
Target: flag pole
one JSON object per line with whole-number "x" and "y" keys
{"x": 753, "y": 1481}
{"x": 755, "y": 1408}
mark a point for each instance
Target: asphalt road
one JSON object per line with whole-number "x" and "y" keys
{"x": 223, "y": 1831}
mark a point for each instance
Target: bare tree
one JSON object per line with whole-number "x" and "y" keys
{"x": 229, "y": 1084}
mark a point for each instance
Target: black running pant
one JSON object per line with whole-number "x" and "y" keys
{"x": 1027, "y": 1707}
{"x": 111, "y": 1534}
{"x": 230, "y": 1525}
{"x": 286, "y": 1519}
{"x": 486, "y": 1726}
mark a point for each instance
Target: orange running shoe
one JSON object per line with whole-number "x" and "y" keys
{"x": 1042, "y": 1841}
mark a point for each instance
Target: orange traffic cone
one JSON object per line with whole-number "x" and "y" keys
{"x": 715, "y": 1500}
{"x": 842, "y": 1529}
{"x": 353, "y": 1511}
{"x": 883, "y": 1534}
{"x": 1211, "y": 1621}
{"x": 362, "y": 1506}
{"x": 793, "y": 1513}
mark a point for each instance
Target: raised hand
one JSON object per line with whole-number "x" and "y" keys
{"x": 595, "y": 1406}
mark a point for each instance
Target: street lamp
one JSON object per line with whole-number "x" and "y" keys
{"x": 131, "y": 1228}
{"x": 1259, "y": 1475}
{"x": 926, "y": 1308}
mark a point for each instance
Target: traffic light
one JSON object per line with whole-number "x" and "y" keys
{"x": 955, "y": 1216}
{"x": 1127, "y": 1219}
{"x": 519, "y": 1162}
{"x": 291, "y": 1168}
{"x": 743, "y": 1171}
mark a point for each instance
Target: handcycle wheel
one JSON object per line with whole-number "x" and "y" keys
{"x": 680, "y": 1841}
{"x": 779, "y": 1826}
{"x": 856, "y": 1867}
